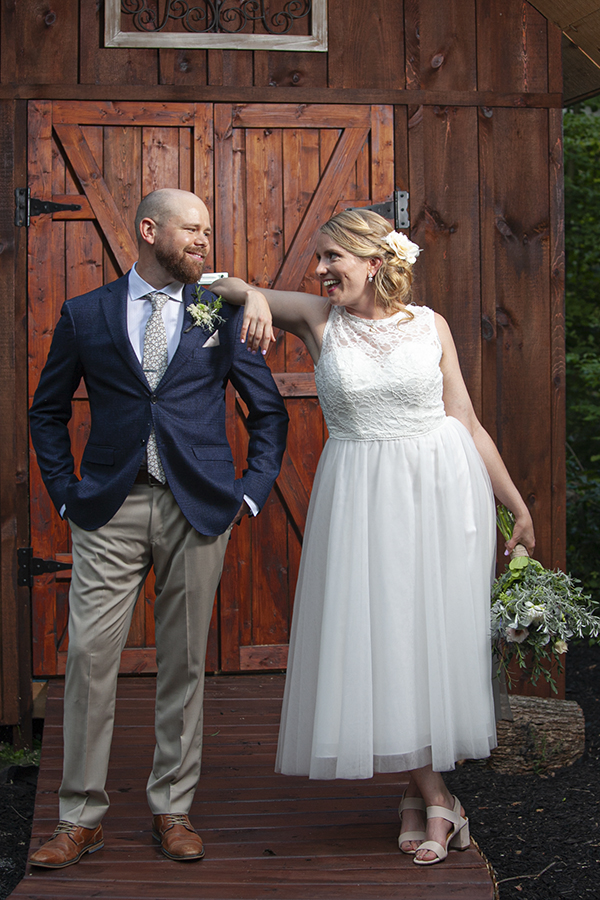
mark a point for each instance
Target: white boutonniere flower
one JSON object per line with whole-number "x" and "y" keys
{"x": 205, "y": 312}
{"x": 404, "y": 248}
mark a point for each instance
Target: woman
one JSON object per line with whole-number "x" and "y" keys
{"x": 389, "y": 667}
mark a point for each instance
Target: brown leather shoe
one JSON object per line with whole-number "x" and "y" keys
{"x": 178, "y": 840}
{"x": 67, "y": 845}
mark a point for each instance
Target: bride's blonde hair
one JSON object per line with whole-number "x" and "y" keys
{"x": 362, "y": 232}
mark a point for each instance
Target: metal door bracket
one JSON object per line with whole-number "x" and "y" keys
{"x": 27, "y": 206}
{"x": 396, "y": 208}
{"x": 30, "y": 566}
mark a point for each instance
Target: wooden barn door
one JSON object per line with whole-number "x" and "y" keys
{"x": 270, "y": 175}
{"x": 280, "y": 172}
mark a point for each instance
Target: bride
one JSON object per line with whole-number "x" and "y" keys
{"x": 390, "y": 666}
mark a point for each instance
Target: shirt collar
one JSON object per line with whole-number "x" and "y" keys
{"x": 138, "y": 288}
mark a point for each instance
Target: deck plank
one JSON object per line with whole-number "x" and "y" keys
{"x": 267, "y": 836}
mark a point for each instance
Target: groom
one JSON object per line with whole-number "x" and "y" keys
{"x": 157, "y": 488}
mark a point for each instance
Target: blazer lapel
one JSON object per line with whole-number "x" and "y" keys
{"x": 192, "y": 336}
{"x": 114, "y": 306}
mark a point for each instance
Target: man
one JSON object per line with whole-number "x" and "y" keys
{"x": 157, "y": 488}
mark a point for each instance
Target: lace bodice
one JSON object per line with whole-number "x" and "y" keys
{"x": 380, "y": 379}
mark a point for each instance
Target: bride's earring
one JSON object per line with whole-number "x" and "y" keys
{"x": 370, "y": 278}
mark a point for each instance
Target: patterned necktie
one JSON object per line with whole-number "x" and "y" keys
{"x": 154, "y": 363}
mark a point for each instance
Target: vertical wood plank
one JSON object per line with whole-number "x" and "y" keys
{"x": 15, "y": 636}
{"x": 112, "y": 65}
{"x": 451, "y": 213}
{"x": 45, "y": 288}
{"x": 226, "y": 222}
{"x": 441, "y": 45}
{"x": 48, "y": 43}
{"x": 160, "y": 159}
{"x": 261, "y": 68}
{"x": 557, "y": 302}
{"x": 300, "y": 177}
{"x": 203, "y": 155}
{"x": 301, "y": 174}
{"x": 238, "y": 68}
{"x": 512, "y": 47}
{"x": 366, "y": 44}
{"x": 182, "y": 66}
{"x": 518, "y": 143}
{"x": 489, "y": 330}
{"x": 265, "y": 240}
{"x": 382, "y": 153}
{"x": 295, "y": 70}
{"x": 416, "y": 155}
{"x": 186, "y": 160}
{"x": 401, "y": 170}
{"x": 122, "y": 170}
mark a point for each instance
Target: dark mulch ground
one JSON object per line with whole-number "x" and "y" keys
{"x": 540, "y": 834}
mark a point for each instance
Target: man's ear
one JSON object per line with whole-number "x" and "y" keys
{"x": 148, "y": 229}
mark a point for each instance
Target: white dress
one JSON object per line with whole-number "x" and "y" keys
{"x": 390, "y": 665}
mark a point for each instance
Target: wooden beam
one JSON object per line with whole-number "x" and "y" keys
{"x": 171, "y": 93}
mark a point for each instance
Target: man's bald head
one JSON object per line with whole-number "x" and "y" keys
{"x": 162, "y": 204}
{"x": 174, "y": 233}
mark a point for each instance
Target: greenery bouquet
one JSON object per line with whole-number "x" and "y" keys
{"x": 535, "y": 612}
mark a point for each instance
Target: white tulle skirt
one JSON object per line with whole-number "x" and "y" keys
{"x": 390, "y": 665}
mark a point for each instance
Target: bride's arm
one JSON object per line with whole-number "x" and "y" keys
{"x": 458, "y": 404}
{"x": 304, "y": 315}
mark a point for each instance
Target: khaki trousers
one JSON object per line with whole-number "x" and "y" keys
{"x": 110, "y": 566}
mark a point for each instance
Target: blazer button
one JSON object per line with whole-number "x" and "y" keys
{"x": 153, "y": 398}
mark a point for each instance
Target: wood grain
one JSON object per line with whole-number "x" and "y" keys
{"x": 265, "y": 834}
{"x": 101, "y": 201}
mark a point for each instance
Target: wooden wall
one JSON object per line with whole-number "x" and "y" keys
{"x": 476, "y": 90}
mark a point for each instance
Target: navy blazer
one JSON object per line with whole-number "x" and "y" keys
{"x": 187, "y": 410}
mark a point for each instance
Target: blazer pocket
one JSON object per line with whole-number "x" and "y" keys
{"x": 207, "y": 351}
{"x": 216, "y": 453}
{"x": 101, "y": 456}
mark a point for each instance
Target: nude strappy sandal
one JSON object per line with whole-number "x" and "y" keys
{"x": 411, "y": 803}
{"x": 458, "y": 836}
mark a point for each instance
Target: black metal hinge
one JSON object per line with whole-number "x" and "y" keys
{"x": 396, "y": 208}
{"x": 27, "y": 206}
{"x": 30, "y": 566}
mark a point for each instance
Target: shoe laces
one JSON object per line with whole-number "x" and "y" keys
{"x": 178, "y": 819}
{"x": 64, "y": 828}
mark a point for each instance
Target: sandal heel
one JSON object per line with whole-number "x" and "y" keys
{"x": 462, "y": 839}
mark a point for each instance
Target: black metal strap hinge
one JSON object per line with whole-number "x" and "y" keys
{"x": 396, "y": 208}
{"x": 30, "y": 566}
{"x": 27, "y": 206}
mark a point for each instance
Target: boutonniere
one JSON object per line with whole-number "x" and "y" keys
{"x": 205, "y": 313}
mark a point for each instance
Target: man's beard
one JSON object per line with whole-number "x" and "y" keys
{"x": 179, "y": 265}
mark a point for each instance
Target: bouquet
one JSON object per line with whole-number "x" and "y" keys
{"x": 535, "y": 612}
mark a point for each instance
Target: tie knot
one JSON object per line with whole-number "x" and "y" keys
{"x": 158, "y": 300}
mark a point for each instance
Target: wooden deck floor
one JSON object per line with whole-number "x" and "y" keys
{"x": 266, "y": 835}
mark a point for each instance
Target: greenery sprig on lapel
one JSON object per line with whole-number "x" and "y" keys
{"x": 205, "y": 313}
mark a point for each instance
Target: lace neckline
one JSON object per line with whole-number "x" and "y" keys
{"x": 371, "y": 324}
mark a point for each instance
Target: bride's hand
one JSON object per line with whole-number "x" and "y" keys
{"x": 257, "y": 327}
{"x": 522, "y": 534}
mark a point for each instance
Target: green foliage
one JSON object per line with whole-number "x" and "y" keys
{"x": 536, "y": 612}
{"x": 11, "y": 757}
{"x": 582, "y": 241}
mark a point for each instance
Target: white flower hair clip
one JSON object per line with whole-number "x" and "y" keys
{"x": 402, "y": 246}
